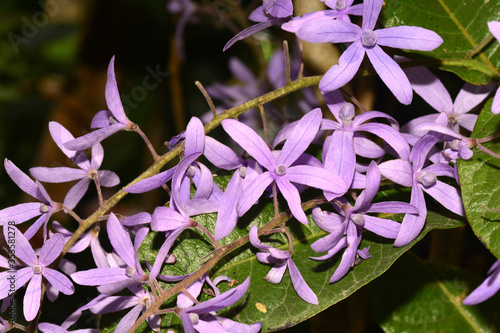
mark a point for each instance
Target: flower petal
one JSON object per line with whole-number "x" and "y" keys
{"x": 151, "y": 183}
{"x": 317, "y": 177}
{"x": 76, "y": 193}
{"x": 223, "y": 300}
{"x": 390, "y": 135}
{"x": 300, "y": 138}
{"x": 382, "y": 227}
{"x": 57, "y": 175}
{"x": 392, "y": 75}
{"x": 227, "y": 216}
{"x": 408, "y": 37}
{"x": 31, "y": 301}
{"x": 292, "y": 197}
{"x": 329, "y": 31}
{"x": 59, "y": 281}
{"x": 22, "y": 180}
{"x": 300, "y": 285}
{"x": 412, "y": 223}
{"x": 51, "y": 249}
{"x": 371, "y": 11}
{"x": 113, "y": 96}
{"x": 100, "y": 276}
{"x": 252, "y": 192}
{"x": 221, "y": 155}
{"x": 90, "y": 139}
{"x": 195, "y": 137}
{"x": 20, "y": 213}
{"x": 120, "y": 239}
{"x": 447, "y": 195}
{"x": 349, "y": 62}
{"x": 250, "y": 142}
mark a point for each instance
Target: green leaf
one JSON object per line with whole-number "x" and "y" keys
{"x": 480, "y": 185}
{"x": 278, "y": 306}
{"x": 419, "y": 296}
{"x": 463, "y": 26}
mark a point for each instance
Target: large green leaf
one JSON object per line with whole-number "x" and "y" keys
{"x": 462, "y": 24}
{"x": 480, "y": 186}
{"x": 418, "y": 296}
{"x": 279, "y": 306}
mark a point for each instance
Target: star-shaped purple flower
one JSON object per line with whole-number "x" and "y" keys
{"x": 280, "y": 166}
{"x": 281, "y": 260}
{"x": 36, "y": 268}
{"x": 422, "y": 178}
{"x": 428, "y": 86}
{"x": 120, "y": 272}
{"x": 107, "y": 122}
{"x": 354, "y": 220}
{"x": 339, "y": 153}
{"x": 89, "y": 170}
{"x": 366, "y": 40}
{"x": 201, "y": 317}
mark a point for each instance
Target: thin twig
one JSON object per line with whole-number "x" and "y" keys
{"x": 300, "y": 75}
{"x": 354, "y": 100}
{"x": 287, "y": 62}
{"x": 478, "y": 48}
{"x": 207, "y": 98}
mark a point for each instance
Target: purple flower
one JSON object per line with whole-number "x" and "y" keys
{"x": 281, "y": 260}
{"x": 193, "y": 145}
{"x": 140, "y": 301}
{"x": 428, "y": 86}
{"x": 89, "y": 170}
{"x": 272, "y": 12}
{"x": 120, "y": 272}
{"x": 280, "y": 167}
{"x": 202, "y": 317}
{"x": 107, "y": 122}
{"x": 339, "y": 151}
{"x": 354, "y": 220}
{"x": 365, "y": 40}
{"x": 488, "y": 288}
{"x": 36, "y": 267}
{"x": 422, "y": 179}
{"x": 340, "y": 10}
{"x": 494, "y": 27}
{"x": 23, "y": 212}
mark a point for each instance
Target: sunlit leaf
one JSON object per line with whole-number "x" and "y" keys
{"x": 480, "y": 185}
{"x": 462, "y": 25}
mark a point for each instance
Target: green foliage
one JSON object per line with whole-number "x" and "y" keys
{"x": 462, "y": 25}
{"x": 419, "y": 296}
{"x": 480, "y": 186}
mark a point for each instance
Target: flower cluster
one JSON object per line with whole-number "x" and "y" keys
{"x": 339, "y": 155}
